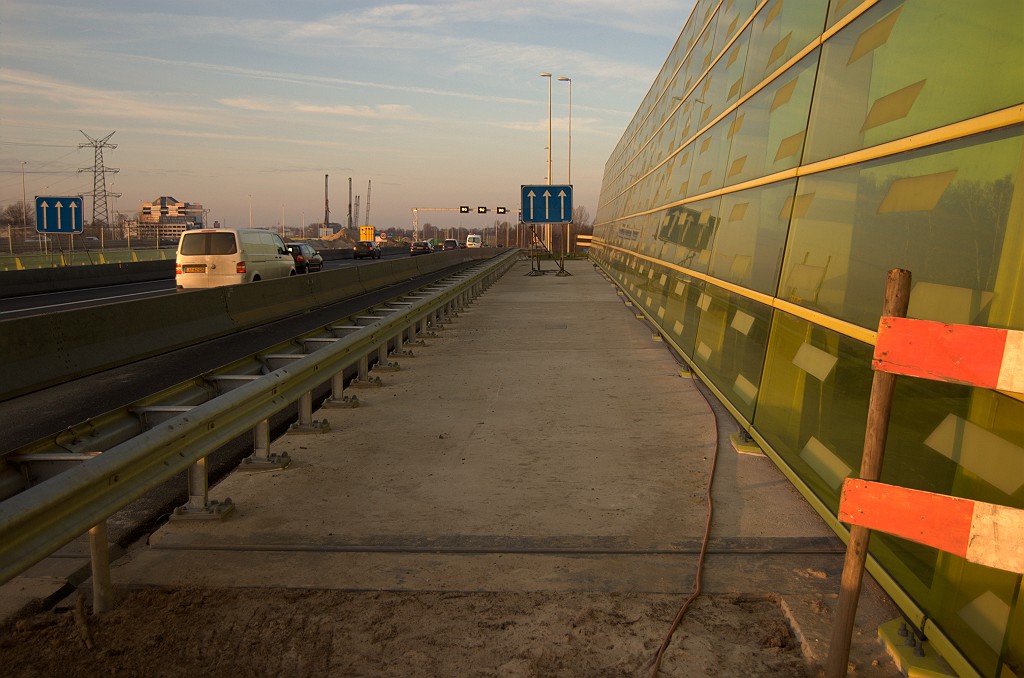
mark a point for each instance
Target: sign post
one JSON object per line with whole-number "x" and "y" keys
{"x": 547, "y": 204}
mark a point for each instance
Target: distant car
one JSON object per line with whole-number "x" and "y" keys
{"x": 366, "y": 248}
{"x": 474, "y": 241}
{"x": 450, "y": 244}
{"x": 419, "y": 247}
{"x": 307, "y": 259}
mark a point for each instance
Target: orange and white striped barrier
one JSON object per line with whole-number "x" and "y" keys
{"x": 988, "y": 357}
{"x": 986, "y": 534}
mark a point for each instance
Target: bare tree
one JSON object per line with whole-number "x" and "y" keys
{"x": 17, "y": 214}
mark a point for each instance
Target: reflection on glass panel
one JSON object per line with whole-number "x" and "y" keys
{"x": 710, "y": 152}
{"x": 728, "y": 20}
{"x": 781, "y": 29}
{"x": 941, "y": 213}
{"x": 888, "y": 74}
{"x": 768, "y": 132}
{"x": 652, "y": 289}
{"x": 679, "y": 181}
{"x": 686, "y": 232}
{"x": 813, "y": 402}
{"x": 751, "y": 235}
{"x": 730, "y": 345}
{"x": 682, "y": 313}
{"x": 839, "y": 9}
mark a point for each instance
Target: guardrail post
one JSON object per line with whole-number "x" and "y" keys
{"x": 364, "y": 380}
{"x": 261, "y": 457}
{"x": 99, "y": 552}
{"x": 338, "y": 397}
{"x": 306, "y": 423}
{"x": 200, "y": 506}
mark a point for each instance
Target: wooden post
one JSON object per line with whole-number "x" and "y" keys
{"x": 102, "y": 591}
{"x": 897, "y": 299}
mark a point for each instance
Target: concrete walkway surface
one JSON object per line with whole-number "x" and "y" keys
{"x": 543, "y": 440}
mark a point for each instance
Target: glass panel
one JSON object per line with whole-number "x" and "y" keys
{"x": 813, "y": 403}
{"x": 768, "y": 133}
{"x": 679, "y": 181}
{"x": 728, "y": 20}
{"x": 730, "y": 345}
{"x": 839, "y": 9}
{"x": 710, "y": 152}
{"x": 781, "y": 29}
{"x": 751, "y": 235}
{"x": 889, "y": 73}
{"x": 942, "y": 213}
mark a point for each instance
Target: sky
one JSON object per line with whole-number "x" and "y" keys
{"x": 247, "y": 105}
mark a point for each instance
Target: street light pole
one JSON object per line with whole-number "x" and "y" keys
{"x": 548, "y": 76}
{"x": 547, "y": 227}
{"x": 250, "y": 210}
{"x": 24, "y": 213}
{"x": 568, "y": 226}
{"x": 569, "y": 80}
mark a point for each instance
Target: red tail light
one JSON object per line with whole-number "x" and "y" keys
{"x": 299, "y": 259}
{"x": 177, "y": 269}
{"x": 240, "y": 267}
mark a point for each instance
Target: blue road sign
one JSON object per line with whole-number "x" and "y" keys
{"x": 547, "y": 204}
{"x": 59, "y": 214}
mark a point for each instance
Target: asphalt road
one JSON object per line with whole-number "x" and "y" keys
{"x": 54, "y": 302}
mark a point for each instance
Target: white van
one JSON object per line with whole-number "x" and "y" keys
{"x": 212, "y": 257}
{"x": 474, "y": 241}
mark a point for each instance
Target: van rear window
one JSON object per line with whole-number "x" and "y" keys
{"x": 208, "y": 243}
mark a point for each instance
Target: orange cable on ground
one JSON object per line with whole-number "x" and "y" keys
{"x": 703, "y": 551}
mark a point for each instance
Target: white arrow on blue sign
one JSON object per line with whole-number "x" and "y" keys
{"x": 59, "y": 214}
{"x": 546, "y": 204}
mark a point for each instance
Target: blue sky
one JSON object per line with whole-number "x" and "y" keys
{"x": 439, "y": 104}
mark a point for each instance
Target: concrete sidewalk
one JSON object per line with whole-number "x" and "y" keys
{"x": 544, "y": 440}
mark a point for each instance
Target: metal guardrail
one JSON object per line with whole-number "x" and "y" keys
{"x": 43, "y": 518}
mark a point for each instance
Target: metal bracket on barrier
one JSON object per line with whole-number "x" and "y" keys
{"x": 213, "y": 510}
{"x": 369, "y": 382}
{"x": 344, "y": 401}
{"x": 387, "y": 367}
{"x": 315, "y": 426}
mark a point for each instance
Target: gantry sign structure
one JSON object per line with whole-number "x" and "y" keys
{"x": 461, "y": 209}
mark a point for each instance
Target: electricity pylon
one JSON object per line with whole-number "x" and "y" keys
{"x": 100, "y": 208}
